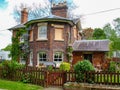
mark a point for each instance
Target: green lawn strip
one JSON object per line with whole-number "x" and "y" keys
{"x": 10, "y": 85}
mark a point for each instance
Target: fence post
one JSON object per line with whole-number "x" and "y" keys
{"x": 46, "y": 83}
{"x": 64, "y": 76}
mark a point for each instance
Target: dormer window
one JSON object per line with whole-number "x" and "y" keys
{"x": 42, "y": 31}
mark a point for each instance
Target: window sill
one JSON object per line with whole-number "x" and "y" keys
{"x": 30, "y": 40}
{"x": 62, "y": 40}
{"x": 41, "y": 39}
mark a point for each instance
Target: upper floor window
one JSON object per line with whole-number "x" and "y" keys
{"x": 59, "y": 32}
{"x": 21, "y": 39}
{"x": 42, "y": 31}
{"x": 31, "y": 35}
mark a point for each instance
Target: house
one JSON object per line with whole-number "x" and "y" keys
{"x": 50, "y": 36}
{"x": 4, "y": 55}
{"x": 93, "y": 50}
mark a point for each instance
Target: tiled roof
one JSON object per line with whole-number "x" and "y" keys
{"x": 17, "y": 27}
{"x": 91, "y": 45}
{"x": 47, "y": 18}
{"x": 54, "y": 18}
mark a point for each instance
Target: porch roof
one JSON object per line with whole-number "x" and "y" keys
{"x": 91, "y": 45}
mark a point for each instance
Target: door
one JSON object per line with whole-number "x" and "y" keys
{"x": 88, "y": 57}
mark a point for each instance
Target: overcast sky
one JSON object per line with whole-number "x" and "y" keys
{"x": 84, "y": 7}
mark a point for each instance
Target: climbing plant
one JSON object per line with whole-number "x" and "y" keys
{"x": 69, "y": 53}
{"x": 16, "y": 49}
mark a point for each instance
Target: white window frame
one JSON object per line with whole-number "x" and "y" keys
{"x": 22, "y": 60}
{"x": 38, "y": 56}
{"x": 42, "y": 29}
{"x": 58, "y": 53}
{"x": 31, "y": 59}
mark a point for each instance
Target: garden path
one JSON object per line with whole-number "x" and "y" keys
{"x": 53, "y": 88}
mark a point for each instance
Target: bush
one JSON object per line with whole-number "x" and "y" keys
{"x": 50, "y": 68}
{"x": 82, "y": 67}
{"x": 64, "y": 66}
{"x": 10, "y": 67}
{"x": 112, "y": 67}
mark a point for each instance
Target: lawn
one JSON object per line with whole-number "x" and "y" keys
{"x": 10, "y": 85}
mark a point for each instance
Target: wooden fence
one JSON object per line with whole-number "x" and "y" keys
{"x": 47, "y": 78}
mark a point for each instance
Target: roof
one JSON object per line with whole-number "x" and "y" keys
{"x": 48, "y": 18}
{"x": 54, "y": 18}
{"x": 91, "y": 45}
{"x": 17, "y": 27}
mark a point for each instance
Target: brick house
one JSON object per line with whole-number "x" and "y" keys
{"x": 49, "y": 36}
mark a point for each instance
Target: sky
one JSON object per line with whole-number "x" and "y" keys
{"x": 84, "y": 7}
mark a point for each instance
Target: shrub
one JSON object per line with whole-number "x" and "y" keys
{"x": 112, "y": 67}
{"x": 10, "y": 67}
{"x": 64, "y": 66}
{"x": 50, "y": 68}
{"x": 81, "y": 67}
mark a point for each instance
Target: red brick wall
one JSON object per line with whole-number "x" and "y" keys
{"x": 97, "y": 59}
{"x": 50, "y": 45}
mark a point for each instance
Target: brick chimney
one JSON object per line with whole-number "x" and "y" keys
{"x": 24, "y": 15}
{"x": 60, "y": 9}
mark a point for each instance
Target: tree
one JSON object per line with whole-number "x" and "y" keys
{"x": 87, "y": 33}
{"x": 116, "y": 23}
{"x": 99, "y": 34}
{"x": 38, "y": 10}
{"x": 7, "y": 48}
{"x": 112, "y": 35}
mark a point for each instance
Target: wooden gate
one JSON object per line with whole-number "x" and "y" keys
{"x": 56, "y": 78}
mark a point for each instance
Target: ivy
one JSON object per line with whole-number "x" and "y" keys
{"x": 16, "y": 49}
{"x": 69, "y": 53}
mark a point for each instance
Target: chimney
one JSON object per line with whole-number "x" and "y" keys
{"x": 24, "y": 15}
{"x": 60, "y": 9}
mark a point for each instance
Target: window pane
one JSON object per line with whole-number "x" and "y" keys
{"x": 58, "y": 34}
{"x": 58, "y": 56}
{"x": 42, "y": 32}
{"x": 42, "y": 56}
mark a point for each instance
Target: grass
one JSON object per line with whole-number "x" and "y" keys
{"x": 10, "y": 85}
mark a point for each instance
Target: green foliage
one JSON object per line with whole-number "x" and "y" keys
{"x": 10, "y": 67}
{"x": 112, "y": 67}
{"x": 81, "y": 67}
{"x": 50, "y": 68}
{"x": 26, "y": 78}
{"x": 99, "y": 34}
{"x": 7, "y": 48}
{"x": 16, "y": 50}
{"x": 64, "y": 66}
{"x": 69, "y": 53}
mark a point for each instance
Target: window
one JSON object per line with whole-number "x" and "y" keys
{"x": 22, "y": 60}
{"x": 21, "y": 39}
{"x": 58, "y": 56}
{"x": 59, "y": 32}
{"x": 31, "y": 59}
{"x": 42, "y": 31}
{"x": 42, "y": 56}
{"x": 31, "y": 35}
